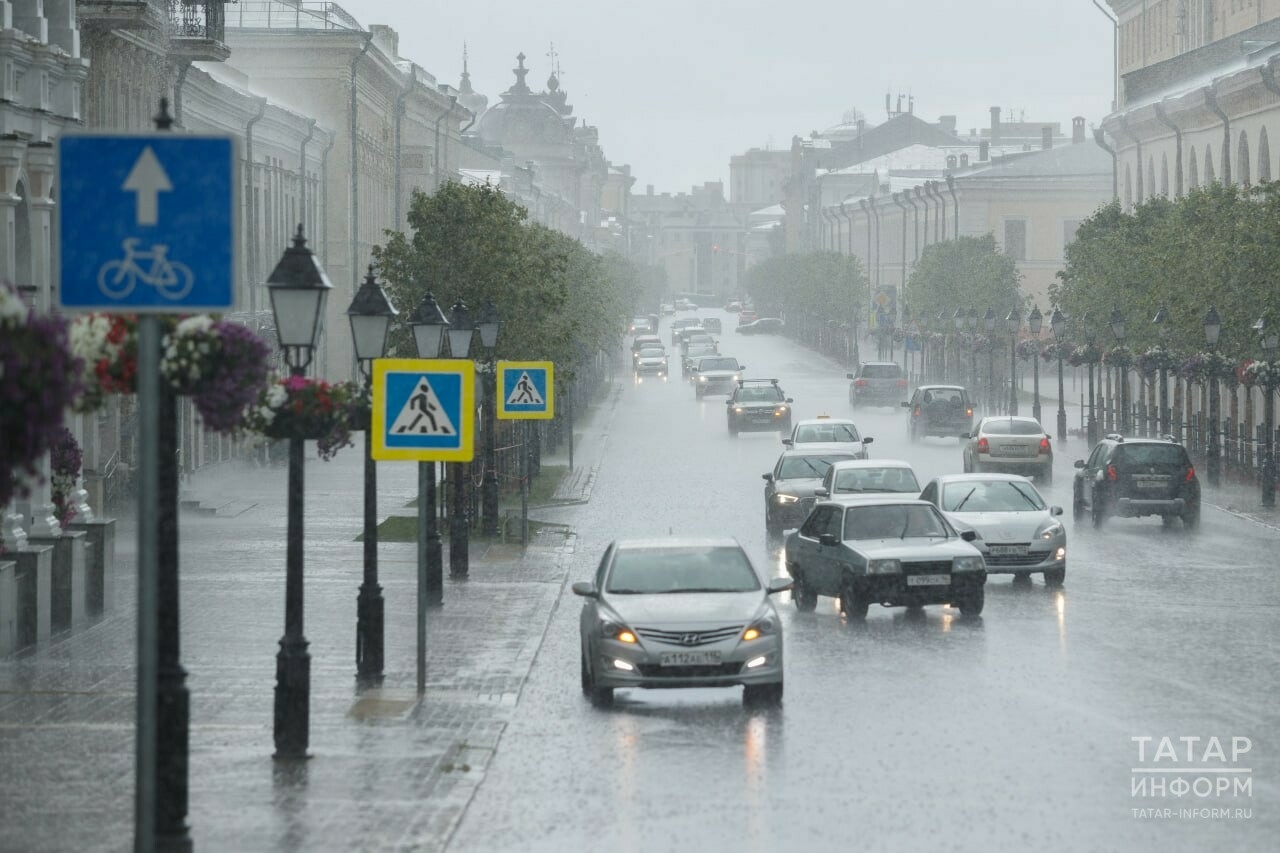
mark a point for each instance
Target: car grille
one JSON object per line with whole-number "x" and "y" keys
{"x": 690, "y": 638}
{"x": 653, "y": 670}
{"x": 1016, "y": 559}
{"x": 932, "y": 567}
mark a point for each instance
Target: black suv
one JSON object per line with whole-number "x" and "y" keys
{"x": 1130, "y": 477}
{"x": 758, "y": 404}
{"x": 939, "y": 410}
{"x": 877, "y": 383}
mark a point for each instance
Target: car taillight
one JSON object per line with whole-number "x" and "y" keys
{"x": 902, "y": 383}
{"x": 916, "y": 412}
{"x": 1111, "y": 473}
{"x": 1191, "y": 473}
{"x": 983, "y": 446}
{"x": 1044, "y": 445}
{"x": 860, "y": 383}
{"x": 969, "y": 412}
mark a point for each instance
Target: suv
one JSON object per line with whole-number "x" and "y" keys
{"x": 877, "y": 383}
{"x": 717, "y": 374}
{"x": 1132, "y": 477}
{"x": 712, "y": 324}
{"x": 939, "y": 410}
{"x": 677, "y": 326}
{"x": 758, "y": 404}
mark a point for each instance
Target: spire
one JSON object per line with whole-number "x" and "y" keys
{"x": 553, "y": 82}
{"x": 520, "y": 88}
{"x": 464, "y": 87}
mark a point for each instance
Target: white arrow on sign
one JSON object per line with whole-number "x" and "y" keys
{"x": 147, "y": 178}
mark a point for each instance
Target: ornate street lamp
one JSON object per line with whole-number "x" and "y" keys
{"x": 298, "y": 288}
{"x": 460, "y": 331}
{"x": 958, "y": 319}
{"x": 428, "y": 324}
{"x": 989, "y": 323}
{"x": 972, "y": 320}
{"x": 487, "y": 324}
{"x": 1058, "y": 322}
{"x": 1035, "y": 322}
{"x": 1092, "y": 428}
{"x": 1270, "y": 339}
{"x": 1013, "y": 321}
{"x": 1212, "y": 329}
{"x": 1161, "y": 321}
{"x": 906, "y": 331}
{"x": 370, "y": 314}
{"x": 941, "y": 322}
{"x": 1122, "y": 372}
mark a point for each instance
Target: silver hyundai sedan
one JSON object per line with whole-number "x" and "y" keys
{"x": 680, "y": 612}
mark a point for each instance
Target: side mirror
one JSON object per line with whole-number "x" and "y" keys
{"x": 968, "y": 535}
{"x": 1079, "y": 463}
{"x": 788, "y": 442}
{"x": 965, "y": 435}
{"x": 1046, "y": 435}
{"x": 728, "y": 402}
{"x": 1055, "y": 510}
{"x": 868, "y": 440}
{"x": 586, "y": 589}
{"x": 828, "y": 539}
{"x": 779, "y": 585}
{"x": 767, "y": 477}
{"x": 742, "y": 367}
{"x": 789, "y": 400}
{"x": 906, "y": 404}
{"x": 821, "y": 492}
{"x": 848, "y": 376}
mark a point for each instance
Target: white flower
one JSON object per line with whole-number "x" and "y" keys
{"x": 13, "y": 312}
{"x": 277, "y": 396}
{"x": 198, "y": 324}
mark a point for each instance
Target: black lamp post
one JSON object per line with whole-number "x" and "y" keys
{"x": 1212, "y": 329}
{"x": 973, "y": 348}
{"x": 1092, "y": 429}
{"x": 370, "y": 315}
{"x": 1035, "y": 322}
{"x": 958, "y": 320}
{"x": 1058, "y": 322}
{"x": 989, "y": 323}
{"x": 906, "y": 330}
{"x": 1270, "y": 340}
{"x": 460, "y": 330}
{"x": 298, "y": 289}
{"x": 1161, "y": 321}
{"x": 1122, "y": 372}
{"x": 940, "y": 371}
{"x": 488, "y": 325}
{"x": 1013, "y": 320}
{"x": 428, "y": 324}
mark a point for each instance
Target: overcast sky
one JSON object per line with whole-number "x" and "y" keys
{"x": 678, "y": 86}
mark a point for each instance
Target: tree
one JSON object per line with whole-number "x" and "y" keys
{"x": 816, "y": 284}
{"x": 962, "y": 273}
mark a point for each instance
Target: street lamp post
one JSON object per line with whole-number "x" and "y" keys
{"x": 1035, "y": 322}
{"x": 1270, "y": 342}
{"x": 973, "y": 345}
{"x": 1014, "y": 322}
{"x": 1161, "y": 321}
{"x": 958, "y": 319}
{"x": 1058, "y": 322}
{"x": 1122, "y": 372}
{"x": 428, "y": 324}
{"x": 488, "y": 325}
{"x": 370, "y": 315}
{"x": 299, "y": 288}
{"x": 941, "y": 370}
{"x": 989, "y": 322}
{"x": 1091, "y": 431}
{"x": 906, "y": 332}
{"x": 460, "y": 330}
{"x": 1212, "y": 329}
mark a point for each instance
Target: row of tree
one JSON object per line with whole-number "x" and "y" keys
{"x": 816, "y": 284}
{"x": 557, "y": 300}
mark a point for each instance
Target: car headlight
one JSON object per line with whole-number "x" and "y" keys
{"x": 737, "y": 410}
{"x": 884, "y": 567}
{"x": 702, "y": 379}
{"x": 611, "y": 630}
{"x": 785, "y": 499}
{"x": 967, "y": 564}
{"x": 1051, "y": 530}
{"x": 781, "y": 410}
{"x": 736, "y": 377}
{"x": 760, "y": 628}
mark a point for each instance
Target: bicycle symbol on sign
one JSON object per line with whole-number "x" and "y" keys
{"x": 117, "y": 279}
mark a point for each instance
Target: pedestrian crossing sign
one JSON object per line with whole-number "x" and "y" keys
{"x": 423, "y": 410}
{"x": 526, "y": 390}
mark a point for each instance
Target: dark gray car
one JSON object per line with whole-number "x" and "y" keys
{"x": 877, "y": 383}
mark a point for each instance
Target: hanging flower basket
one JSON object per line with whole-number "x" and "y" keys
{"x": 1206, "y": 367}
{"x": 107, "y": 345}
{"x": 223, "y": 366}
{"x": 1262, "y": 374}
{"x": 65, "y": 460}
{"x": 1118, "y": 356}
{"x": 1157, "y": 358}
{"x": 309, "y": 409}
{"x": 39, "y": 380}
{"x": 1089, "y": 353}
{"x": 1049, "y": 352}
{"x": 1028, "y": 349}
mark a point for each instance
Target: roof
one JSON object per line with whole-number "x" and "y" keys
{"x": 899, "y": 132}
{"x": 965, "y": 478}
{"x": 872, "y": 463}
{"x": 1077, "y": 160}
{"x": 825, "y": 448}
{"x": 678, "y": 542}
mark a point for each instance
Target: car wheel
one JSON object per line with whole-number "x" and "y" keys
{"x": 1077, "y": 505}
{"x": 804, "y": 597}
{"x": 601, "y": 697}
{"x": 1191, "y": 519}
{"x": 972, "y": 604}
{"x": 1046, "y": 476}
{"x": 1166, "y": 520}
{"x": 911, "y": 434}
{"x": 853, "y": 402}
{"x": 586, "y": 676}
{"x": 853, "y": 605}
{"x": 1099, "y": 511}
{"x": 968, "y": 466}
{"x": 733, "y": 430}
{"x": 1055, "y": 577}
{"x": 762, "y": 695}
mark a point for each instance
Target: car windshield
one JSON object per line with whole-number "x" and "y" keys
{"x": 1011, "y": 427}
{"x": 1152, "y": 454}
{"x": 652, "y": 352}
{"x": 717, "y": 364}
{"x": 827, "y": 432}
{"x": 854, "y": 480}
{"x": 759, "y": 394}
{"x": 808, "y": 466}
{"x": 893, "y": 521}
{"x": 942, "y": 397}
{"x": 991, "y": 496}
{"x": 880, "y": 371}
{"x": 648, "y": 571}
{"x": 701, "y": 349}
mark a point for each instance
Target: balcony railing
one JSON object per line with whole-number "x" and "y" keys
{"x": 287, "y": 14}
{"x": 197, "y": 30}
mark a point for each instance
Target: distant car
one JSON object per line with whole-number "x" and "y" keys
{"x": 680, "y": 613}
{"x": 712, "y": 324}
{"x": 827, "y": 430}
{"x": 763, "y": 326}
{"x": 1132, "y": 477}
{"x": 893, "y": 551}
{"x": 1015, "y": 445}
{"x": 692, "y": 353}
{"x": 642, "y": 341}
{"x": 733, "y": 306}
{"x": 758, "y": 404}
{"x": 1018, "y": 533}
{"x": 877, "y": 383}
{"x": 942, "y": 410}
{"x": 652, "y": 361}
{"x": 746, "y": 315}
{"x": 794, "y": 477}
{"x": 667, "y": 308}
{"x": 861, "y": 479}
{"x": 641, "y": 326}
{"x": 694, "y": 335}
{"x": 685, "y": 305}
{"x": 715, "y": 375}
{"x": 677, "y": 326}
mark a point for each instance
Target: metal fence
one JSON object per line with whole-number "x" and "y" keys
{"x": 282, "y": 14}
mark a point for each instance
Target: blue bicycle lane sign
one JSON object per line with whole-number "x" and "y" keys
{"x": 147, "y": 222}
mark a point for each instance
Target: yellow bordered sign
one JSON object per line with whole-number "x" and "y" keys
{"x": 423, "y": 410}
{"x": 526, "y": 390}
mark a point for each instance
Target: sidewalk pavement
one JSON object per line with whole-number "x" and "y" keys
{"x": 388, "y": 771}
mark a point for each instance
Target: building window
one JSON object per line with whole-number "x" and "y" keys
{"x": 1015, "y": 239}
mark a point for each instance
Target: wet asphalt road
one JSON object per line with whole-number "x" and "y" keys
{"x": 1012, "y": 731}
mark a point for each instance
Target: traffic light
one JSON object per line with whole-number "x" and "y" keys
{"x": 715, "y": 249}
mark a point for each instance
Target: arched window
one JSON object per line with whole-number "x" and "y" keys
{"x": 1264, "y": 157}
{"x": 1128, "y": 187}
{"x": 1242, "y": 159}
{"x": 1193, "y": 178}
{"x": 1164, "y": 175}
{"x": 1151, "y": 177}
{"x": 1209, "y": 176}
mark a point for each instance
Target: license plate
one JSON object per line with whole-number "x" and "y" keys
{"x": 690, "y": 659}
{"x": 1015, "y": 450}
{"x": 928, "y": 580}
{"x": 1151, "y": 484}
{"x": 1008, "y": 550}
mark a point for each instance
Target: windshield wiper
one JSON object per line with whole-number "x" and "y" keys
{"x": 966, "y": 498}
{"x": 628, "y": 592}
{"x": 704, "y": 589}
{"x": 1026, "y": 497}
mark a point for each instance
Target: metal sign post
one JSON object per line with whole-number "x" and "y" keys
{"x": 526, "y": 392}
